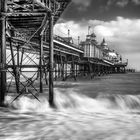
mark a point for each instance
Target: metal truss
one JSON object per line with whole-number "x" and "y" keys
{"x": 27, "y": 23}
{"x": 36, "y": 57}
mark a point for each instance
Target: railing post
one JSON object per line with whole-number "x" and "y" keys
{"x": 2, "y": 52}
{"x": 51, "y": 60}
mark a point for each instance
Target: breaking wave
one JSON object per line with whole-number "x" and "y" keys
{"x": 71, "y": 100}
{"x": 77, "y": 117}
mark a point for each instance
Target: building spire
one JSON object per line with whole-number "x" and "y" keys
{"x": 104, "y": 42}
{"x": 89, "y": 27}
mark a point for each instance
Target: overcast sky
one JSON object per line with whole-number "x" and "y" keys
{"x": 118, "y": 21}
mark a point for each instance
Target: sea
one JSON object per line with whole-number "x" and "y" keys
{"x": 103, "y": 108}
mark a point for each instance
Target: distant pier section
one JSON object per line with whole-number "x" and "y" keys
{"x": 32, "y": 56}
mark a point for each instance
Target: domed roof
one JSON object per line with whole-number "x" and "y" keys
{"x": 104, "y": 42}
{"x": 93, "y": 35}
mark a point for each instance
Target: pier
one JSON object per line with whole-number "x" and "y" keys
{"x": 31, "y": 54}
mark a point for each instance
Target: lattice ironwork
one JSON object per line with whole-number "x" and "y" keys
{"x": 27, "y": 23}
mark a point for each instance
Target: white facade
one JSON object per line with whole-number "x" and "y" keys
{"x": 92, "y": 51}
{"x": 91, "y": 47}
{"x": 89, "y": 50}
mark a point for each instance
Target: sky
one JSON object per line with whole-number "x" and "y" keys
{"x": 118, "y": 21}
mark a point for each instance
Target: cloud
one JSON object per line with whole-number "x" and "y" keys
{"x": 121, "y": 34}
{"x": 122, "y": 3}
{"x": 137, "y": 2}
{"x": 104, "y": 31}
{"x": 84, "y": 3}
{"x": 76, "y": 29}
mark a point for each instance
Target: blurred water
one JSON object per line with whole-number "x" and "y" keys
{"x": 77, "y": 116}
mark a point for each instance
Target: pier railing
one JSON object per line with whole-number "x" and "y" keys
{"x": 121, "y": 63}
{"x": 61, "y": 39}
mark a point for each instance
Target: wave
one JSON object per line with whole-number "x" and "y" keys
{"x": 121, "y": 102}
{"x": 72, "y": 100}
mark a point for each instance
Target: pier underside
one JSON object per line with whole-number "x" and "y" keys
{"x": 31, "y": 56}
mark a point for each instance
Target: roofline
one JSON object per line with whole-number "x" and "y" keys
{"x": 68, "y": 46}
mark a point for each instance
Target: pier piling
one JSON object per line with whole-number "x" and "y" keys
{"x": 41, "y": 63}
{"x": 51, "y": 60}
{"x": 2, "y": 51}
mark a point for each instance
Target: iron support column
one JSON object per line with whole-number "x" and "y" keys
{"x": 124, "y": 70}
{"x": 2, "y": 52}
{"x": 14, "y": 66}
{"x": 51, "y": 60}
{"x": 40, "y": 63}
{"x": 17, "y": 70}
{"x": 66, "y": 68}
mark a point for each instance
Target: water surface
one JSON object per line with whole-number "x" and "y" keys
{"x": 106, "y": 107}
